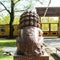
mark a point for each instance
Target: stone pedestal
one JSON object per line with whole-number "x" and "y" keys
{"x": 31, "y": 57}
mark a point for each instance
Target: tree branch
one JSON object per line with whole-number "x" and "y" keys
{"x": 19, "y": 10}
{"x": 2, "y": 10}
{"x": 40, "y": 1}
{"x": 5, "y": 7}
{"x": 16, "y": 2}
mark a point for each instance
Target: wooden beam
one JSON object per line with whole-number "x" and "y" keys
{"x": 52, "y": 11}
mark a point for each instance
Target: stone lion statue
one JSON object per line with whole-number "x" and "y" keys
{"x": 30, "y": 39}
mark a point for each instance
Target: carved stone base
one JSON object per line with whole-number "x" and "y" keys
{"x": 31, "y": 57}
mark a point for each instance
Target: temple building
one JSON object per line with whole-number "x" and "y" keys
{"x": 52, "y": 27}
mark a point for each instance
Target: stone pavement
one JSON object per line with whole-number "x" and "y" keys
{"x": 55, "y": 42}
{"x": 52, "y": 44}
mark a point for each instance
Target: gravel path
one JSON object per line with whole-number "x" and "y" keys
{"x": 52, "y": 42}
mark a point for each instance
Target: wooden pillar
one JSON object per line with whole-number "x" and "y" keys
{"x": 40, "y": 22}
{"x": 59, "y": 27}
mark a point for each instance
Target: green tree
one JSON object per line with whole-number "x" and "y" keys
{"x": 11, "y": 10}
{"x": 11, "y": 13}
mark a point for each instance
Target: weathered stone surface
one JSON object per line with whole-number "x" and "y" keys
{"x": 31, "y": 57}
{"x": 29, "y": 19}
{"x": 30, "y": 40}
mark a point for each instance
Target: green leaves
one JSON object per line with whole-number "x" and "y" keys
{"x": 5, "y": 20}
{"x": 16, "y": 20}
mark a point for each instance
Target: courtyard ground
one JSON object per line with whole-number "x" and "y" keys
{"x": 6, "y": 43}
{"x": 51, "y": 44}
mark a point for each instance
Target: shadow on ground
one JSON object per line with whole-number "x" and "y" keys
{"x": 55, "y": 56}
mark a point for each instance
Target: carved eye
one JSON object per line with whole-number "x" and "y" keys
{"x": 30, "y": 34}
{"x": 39, "y": 34}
